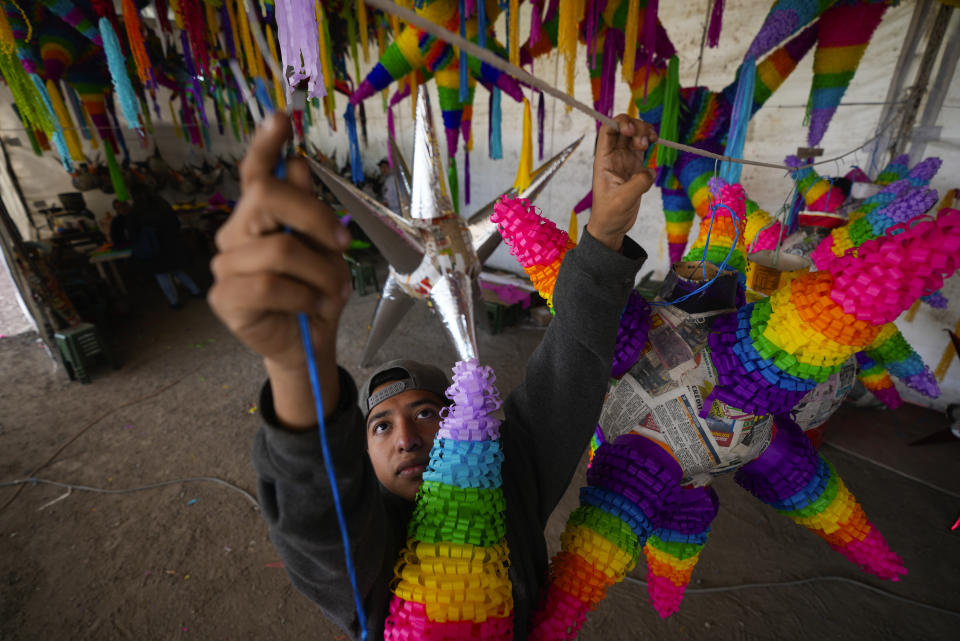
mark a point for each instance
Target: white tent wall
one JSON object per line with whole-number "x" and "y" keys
{"x": 776, "y": 131}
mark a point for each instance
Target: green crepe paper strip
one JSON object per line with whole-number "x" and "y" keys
{"x": 716, "y": 254}
{"x": 675, "y": 549}
{"x": 119, "y": 187}
{"x": 824, "y": 501}
{"x": 895, "y": 349}
{"x": 29, "y": 131}
{"x": 610, "y": 527}
{"x": 454, "y": 184}
{"x": 666, "y": 156}
{"x": 786, "y": 362}
{"x": 459, "y": 515}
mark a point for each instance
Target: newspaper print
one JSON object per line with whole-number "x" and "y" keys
{"x": 661, "y": 397}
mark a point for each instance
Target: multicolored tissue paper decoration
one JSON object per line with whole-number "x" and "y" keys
{"x": 634, "y": 499}
{"x": 819, "y": 193}
{"x": 721, "y": 238}
{"x": 704, "y": 119}
{"x": 451, "y": 581}
{"x": 774, "y": 351}
{"x": 536, "y": 243}
{"x": 898, "y": 202}
{"x": 845, "y": 31}
{"x": 792, "y": 478}
{"x": 415, "y": 51}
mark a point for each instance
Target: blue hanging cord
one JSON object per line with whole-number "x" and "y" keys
{"x": 280, "y": 171}
{"x": 721, "y": 267}
{"x": 482, "y": 24}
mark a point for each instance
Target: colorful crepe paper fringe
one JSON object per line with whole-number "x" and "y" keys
{"x": 300, "y": 46}
{"x": 796, "y": 481}
{"x": 720, "y": 241}
{"x": 772, "y": 352}
{"x": 535, "y": 242}
{"x": 899, "y": 202}
{"x": 785, "y": 18}
{"x": 452, "y": 581}
{"x": 845, "y": 31}
{"x": 818, "y": 192}
{"x": 877, "y": 380}
{"x": 129, "y": 104}
{"x": 628, "y": 483}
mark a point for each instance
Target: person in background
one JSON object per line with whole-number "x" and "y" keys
{"x": 390, "y": 197}
{"x": 380, "y": 435}
{"x": 120, "y": 225}
{"x": 154, "y": 231}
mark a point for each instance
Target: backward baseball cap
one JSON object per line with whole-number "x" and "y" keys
{"x": 403, "y": 375}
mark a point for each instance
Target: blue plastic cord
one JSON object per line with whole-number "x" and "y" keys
{"x": 280, "y": 171}
{"x": 328, "y": 463}
{"x": 721, "y": 267}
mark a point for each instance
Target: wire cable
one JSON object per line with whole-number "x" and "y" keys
{"x": 817, "y": 579}
{"x": 888, "y": 468}
{"x": 130, "y": 490}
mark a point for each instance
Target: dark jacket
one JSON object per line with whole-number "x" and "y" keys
{"x": 549, "y": 420}
{"x": 154, "y": 232}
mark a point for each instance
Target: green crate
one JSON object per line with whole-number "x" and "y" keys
{"x": 80, "y": 346}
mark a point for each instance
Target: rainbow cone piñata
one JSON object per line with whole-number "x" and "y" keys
{"x": 845, "y": 31}
{"x": 452, "y": 579}
{"x": 536, "y": 243}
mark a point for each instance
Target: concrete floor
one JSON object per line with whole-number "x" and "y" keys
{"x": 183, "y": 404}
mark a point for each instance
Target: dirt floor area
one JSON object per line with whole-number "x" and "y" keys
{"x": 192, "y": 560}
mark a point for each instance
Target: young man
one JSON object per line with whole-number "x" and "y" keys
{"x": 381, "y": 434}
{"x": 390, "y": 197}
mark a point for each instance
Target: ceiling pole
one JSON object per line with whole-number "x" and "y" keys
{"x": 928, "y": 130}
{"x": 896, "y": 89}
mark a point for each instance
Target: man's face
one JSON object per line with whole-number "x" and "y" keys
{"x": 400, "y": 432}
{"x": 384, "y": 169}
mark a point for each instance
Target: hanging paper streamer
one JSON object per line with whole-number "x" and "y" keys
{"x": 739, "y": 121}
{"x": 716, "y": 23}
{"x": 462, "y": 54}
{"x": 123, "y": 90}
{"x": 666, "y": 156}
{"x": 454, "y": 183}
{"x": 526, "y": 151}
{"x": 845, "y": 31}
{"x": 631, "y": 40}
{"x": 57, "y": 130}
{"x": 513, "y": 37}
{"x": 116, "y": 177}
{"x": 496, "y": 116}
{"x": 541, "y": 118}
{"x": 650, "y": 32}
{"x": 131, "y": 20}
{"x": 66, "y": 123}
{"x": 356, "y": 167}
{"x": 569, "y": 17}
